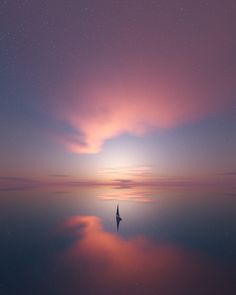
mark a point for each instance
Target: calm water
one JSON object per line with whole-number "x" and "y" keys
{"x": 170, "y": 241}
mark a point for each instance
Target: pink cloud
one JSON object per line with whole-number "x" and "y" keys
{"x": 173, "y": 78}
{"x": 132, "y": 103}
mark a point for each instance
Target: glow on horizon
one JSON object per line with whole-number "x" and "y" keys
{"x": 87, "y": 90}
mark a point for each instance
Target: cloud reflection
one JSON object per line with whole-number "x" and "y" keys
{"x": 105, "y": 263}
{"x": 127, "y": 194}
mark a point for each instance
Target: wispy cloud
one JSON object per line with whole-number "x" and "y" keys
{"x": 18, "y": 183}
{"x": 60, "y": 175}
{"x": 127, "y": 185}
{"x": 229, "y": 173}
{"x": 134, "y": 172}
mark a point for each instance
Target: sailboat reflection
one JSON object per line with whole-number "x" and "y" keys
{"x": 114, "y": 264}
{"x": 118, "y": 218}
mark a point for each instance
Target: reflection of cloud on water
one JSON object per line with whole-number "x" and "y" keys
{"x": 100, "y": 262}
{"x": 132, "y": 196}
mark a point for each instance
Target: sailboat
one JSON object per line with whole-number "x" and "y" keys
{"x": 118, "y": 218}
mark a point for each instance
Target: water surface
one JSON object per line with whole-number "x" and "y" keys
{"x": 170, "y": 241}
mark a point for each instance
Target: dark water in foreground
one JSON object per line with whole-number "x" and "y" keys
{"x": 170, "y": 241}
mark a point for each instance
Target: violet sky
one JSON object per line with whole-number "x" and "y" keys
{"x": 118, "y": 89}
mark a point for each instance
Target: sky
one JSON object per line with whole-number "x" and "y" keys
{"x": 117, "y": 91}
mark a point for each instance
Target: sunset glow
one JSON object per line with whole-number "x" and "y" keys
{"x": 117, "y": 147}
{"x": 147, "y": 85}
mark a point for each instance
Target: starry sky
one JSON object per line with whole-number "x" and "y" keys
{"x": 117, "y": 90}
